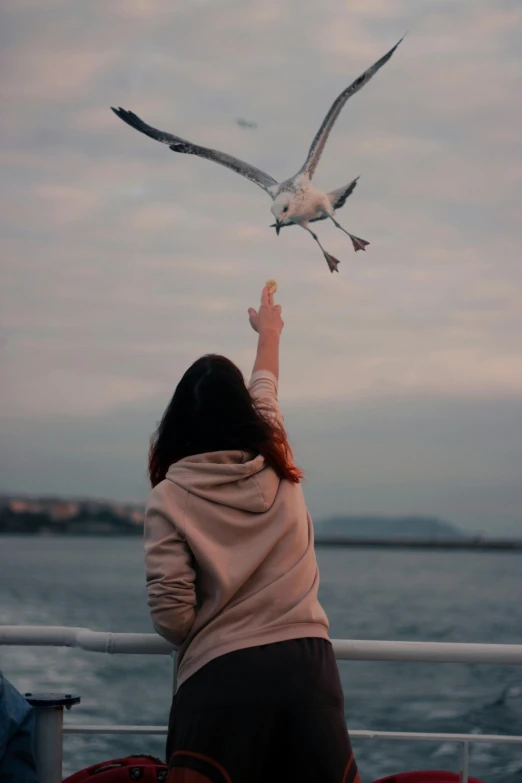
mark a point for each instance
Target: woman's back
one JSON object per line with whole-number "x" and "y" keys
{"x": 252, "y": 578}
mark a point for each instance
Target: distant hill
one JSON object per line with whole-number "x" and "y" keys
{"x": 370, "y": 527}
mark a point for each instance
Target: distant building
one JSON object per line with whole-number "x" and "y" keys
{"x": 62, "y": 511}
{"x": 25, "y": 506}
{"x": 64, "y": 515}
{"x": 137, "y": 517}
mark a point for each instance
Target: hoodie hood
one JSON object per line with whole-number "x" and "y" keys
{"x": 237, "y": 479}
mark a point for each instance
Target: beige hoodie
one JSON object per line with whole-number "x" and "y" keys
{"x": 229, "y": 553}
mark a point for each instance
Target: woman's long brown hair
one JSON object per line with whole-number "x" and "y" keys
{"x": 212, "y": 410}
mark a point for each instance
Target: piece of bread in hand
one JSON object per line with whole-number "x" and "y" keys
{"x": 272, "y": 286}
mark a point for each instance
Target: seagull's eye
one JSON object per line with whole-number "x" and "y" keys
{"x": 285, "y": 209}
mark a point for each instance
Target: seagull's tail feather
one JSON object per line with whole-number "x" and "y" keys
{"x": 338, "y": 197}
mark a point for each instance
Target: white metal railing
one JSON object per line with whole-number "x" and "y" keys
{"x": 49, "y": 755}
{"x": 345, "y": 649}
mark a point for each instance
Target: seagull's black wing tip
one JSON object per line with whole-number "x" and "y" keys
{"x": 387, "y": 56}
{"x": 119, "y": 112}
{"x": 129, "y": 117}
{"x": 122, "y": 112}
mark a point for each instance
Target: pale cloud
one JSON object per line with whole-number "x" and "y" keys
{"x": 378, "y": 9}
{"x": 122, "y": 261}
{"x": 344, "y": 37}
{"x": 381, "y": 145}
{"x": 53, "y": 76}
{"x": 62, "y": 204}
{"x": 147, "y": 12}
{"x": 157, "y": 217}
{"x": 83, "y": 393}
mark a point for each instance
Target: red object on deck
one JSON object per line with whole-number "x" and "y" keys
{"x": 146, "y": 769}
{"x": 426, "y": 776}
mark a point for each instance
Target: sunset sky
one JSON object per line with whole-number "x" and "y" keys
{"x": 122, "y": 262}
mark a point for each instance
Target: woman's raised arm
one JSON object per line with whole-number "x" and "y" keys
{"x": 267, "y": 322}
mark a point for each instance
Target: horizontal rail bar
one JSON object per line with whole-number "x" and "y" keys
{"x": 344, "y": 649}
{"x": 78, "y": 728}
{"x": 436, "y": 737}
{"x": 358, "y": 733}
{"x": 427, "y": 652}
{"x": 84, "y": 639}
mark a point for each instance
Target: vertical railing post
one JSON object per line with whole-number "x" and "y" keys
{"x": 48, "y": 737}
{"x": 464, "y": 762}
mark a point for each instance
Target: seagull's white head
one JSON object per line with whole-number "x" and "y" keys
{"x": 283, "y": 209}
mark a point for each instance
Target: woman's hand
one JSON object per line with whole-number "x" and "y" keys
{"x": 268, "y": 318}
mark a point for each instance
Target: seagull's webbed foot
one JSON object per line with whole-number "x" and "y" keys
{"x": 332, "y": 262}
{"x": 358, "y": 244}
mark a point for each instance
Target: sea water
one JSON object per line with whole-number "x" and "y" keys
{"x": 449, "y": 596}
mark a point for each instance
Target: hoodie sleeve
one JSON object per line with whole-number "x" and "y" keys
{"x": 169, "y": 570}
{"x": 263, "y": 389}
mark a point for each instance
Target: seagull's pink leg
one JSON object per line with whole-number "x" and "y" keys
{"x": 358, "y": 244}
{"x": 332, "y": 262}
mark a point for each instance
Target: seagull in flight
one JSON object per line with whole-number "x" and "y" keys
{"x": 295, "y": 201}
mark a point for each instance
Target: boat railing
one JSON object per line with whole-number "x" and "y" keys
{"x": 49, "y": 720}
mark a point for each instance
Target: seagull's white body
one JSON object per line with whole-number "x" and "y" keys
{"x": 309, "y": 202}
{"x": 295, "y": 201}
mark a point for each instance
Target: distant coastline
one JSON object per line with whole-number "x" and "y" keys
{"x": 462, "y": 544}
{"x": 59, "y": 516}
{"x": 408, "y": 532}
{"x": 56, "y": 516}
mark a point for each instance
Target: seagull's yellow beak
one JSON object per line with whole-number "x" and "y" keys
{"x": 278, "y": 225}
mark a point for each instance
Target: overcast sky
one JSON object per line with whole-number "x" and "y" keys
{"x": 401, "y": 377}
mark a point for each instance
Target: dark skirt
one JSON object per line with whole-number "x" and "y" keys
{"x": 263, "y": 714}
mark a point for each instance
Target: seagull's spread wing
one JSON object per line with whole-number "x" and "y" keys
{"x": 177, "y": 144}
{"x": 322, "y": 134}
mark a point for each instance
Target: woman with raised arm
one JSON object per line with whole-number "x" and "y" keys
{"x": 232, "y": 581}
